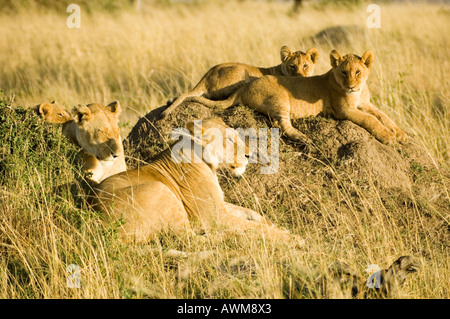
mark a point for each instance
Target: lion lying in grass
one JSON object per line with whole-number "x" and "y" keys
{"x": 224, "y": 79}
{"x": 164, "y": 194}
{"x": 341, "y": 92}
{"x": 180, "y": 188}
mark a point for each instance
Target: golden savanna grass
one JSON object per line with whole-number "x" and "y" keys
{"x": 143, "y": 59}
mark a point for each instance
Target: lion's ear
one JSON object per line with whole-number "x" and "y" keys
{"x": 207, "y": 133}
{"x": 114, "y": 107}
{"x": 195, "y": 127}
{"x": 44, "y": 109}
{"x": 190, "y": 126}
{"x": 335, "y": 58}
{"x": 285, "y": 53}
{"x": 368, "y": 58}
{"x": 81, "y": 113}
{"x": 313, "y": 54}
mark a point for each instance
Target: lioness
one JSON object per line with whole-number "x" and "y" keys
{"x": 341, "y": 92}
{"x": 223, "y": 79}
{"x": 52, "y": 113}
{"x": 179, "y": 188}
{"x": 95, "y": 129}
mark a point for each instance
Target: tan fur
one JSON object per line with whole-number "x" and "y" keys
{"x": 169, "y": 195}
{"x": 224, "y": 79}
{"x": 53, "y": 113}
{"x": 95, "y": 129}
{"x": 341, "y": 92}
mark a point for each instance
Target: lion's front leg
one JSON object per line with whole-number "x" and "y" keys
{"x": 380, "y": 115}
{"x": 284, "y": 121}
{"x": 92, "y": 165}
{"x": 240, "y": 218}
{"x": 246, "y": 213}
{"x": 370, "y": 123}
{"x": 234, "y": 223}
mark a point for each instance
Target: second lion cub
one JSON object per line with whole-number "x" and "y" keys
{"x": 341, "y": 92}
{"x": 224, "y": 79}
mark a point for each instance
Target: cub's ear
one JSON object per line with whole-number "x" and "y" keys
{"x": 190, "y": 126}
{"x": 285, "y": 53}
{"x": 114, "y": 107}
{"x": 81, "y": 113}
{"x": 313, "y": 54}
{"x": 368, "y": 58}
{"x": 335, "y": 58}
{"x": 44, "y": 109}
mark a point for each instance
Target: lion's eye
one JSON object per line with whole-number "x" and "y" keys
{"x": 358, "y": 72}
{"x": 305, "y": 66}
{"x": 344, "y": 74}
{"x": 292, "y": 66}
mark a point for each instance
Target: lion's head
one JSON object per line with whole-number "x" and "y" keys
{"x": 351, "y": 71}
{"x": 222, "y": 145}
{"x": 53, "y": 113}
{"x": 97, "y": 130}
{"x": 298, "y": 63}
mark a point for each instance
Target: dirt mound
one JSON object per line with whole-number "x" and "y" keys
{"x": 343, "y": 144}
{"x": 345, "y": 159}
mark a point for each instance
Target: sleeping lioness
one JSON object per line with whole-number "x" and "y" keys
{"x": 223, "y": 79}
{"x": 174, "y": 194}
{"x": 341, "y": 92}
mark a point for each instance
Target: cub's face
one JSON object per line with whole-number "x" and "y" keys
{"x": 53, "y": 113}
{"x": 351, "y": 71}
{"x": 298, "y": 63}
{"x": 98, "y": 130}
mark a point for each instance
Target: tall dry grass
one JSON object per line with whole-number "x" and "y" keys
{"x": 143, "y": 59}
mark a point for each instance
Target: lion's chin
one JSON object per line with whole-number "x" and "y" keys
{"x": 238, "y": 171}
{"x": 107, "y": 162}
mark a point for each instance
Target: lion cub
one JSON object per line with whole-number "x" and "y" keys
{"x": 341, "y": 92}
{"x": 52, "y": 113}
{"x": 223, "y": 79}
